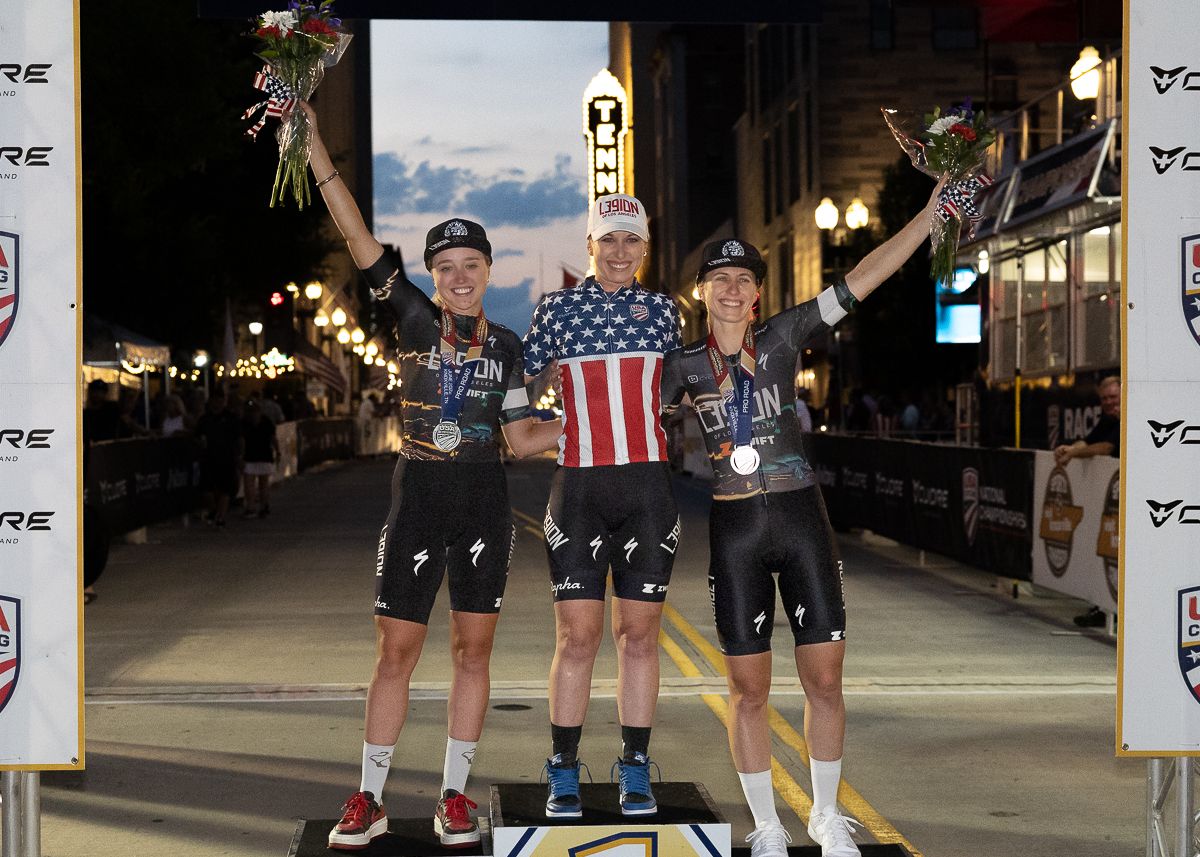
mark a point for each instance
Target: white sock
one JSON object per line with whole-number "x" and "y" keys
{"x": 760, "y": 795}
{"x": 825, "y": 779}
{"x": 376, "y": 761}
{"x": 459, "y": 756}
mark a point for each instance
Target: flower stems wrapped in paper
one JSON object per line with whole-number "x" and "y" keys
{"x": 950, "y": 144}
{"x": 297, "y": 46}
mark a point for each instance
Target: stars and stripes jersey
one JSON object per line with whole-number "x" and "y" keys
{"x": 609, "y": 348}
{"x": 497, "y": 395}
{"x": 777, "y": 436}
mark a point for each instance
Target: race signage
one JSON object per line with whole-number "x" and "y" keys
{"x": 605, "y": 123}
{"x": 41, "y": 680}
{"x": 1158, "y": 710}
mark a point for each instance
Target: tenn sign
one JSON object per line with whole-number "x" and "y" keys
{"x": 604, "y": 125}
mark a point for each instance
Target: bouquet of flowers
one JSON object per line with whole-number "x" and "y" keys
{"x": 950, "y": 144}
{"x": 297, "y": 46}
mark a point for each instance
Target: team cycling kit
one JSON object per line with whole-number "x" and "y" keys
{"x": 610, "y": 499}
{"x": 449, "y": 510}
{"x": 769, "y": 518}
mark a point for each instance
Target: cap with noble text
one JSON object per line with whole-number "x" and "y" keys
{"x": 456, "y": 233}
{"x": 731, "y": 253}
{"x": 617, "y": 212}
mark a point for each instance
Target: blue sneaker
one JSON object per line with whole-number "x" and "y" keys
{"x": 564, "y": 800}
{"x": 634, "y": 777}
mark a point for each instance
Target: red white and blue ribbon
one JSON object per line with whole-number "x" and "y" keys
{"x": 280, "y": 99}
{"x": 958, "y": 199}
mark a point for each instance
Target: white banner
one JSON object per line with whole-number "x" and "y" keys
{"x": 41, "y": 680}
{"x": 1159, "y": 650}
{"x": 1076, "y": 537}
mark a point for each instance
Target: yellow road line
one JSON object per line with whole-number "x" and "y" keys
{"x": 859, "y": 807}
{"x": 529, "y": 519}
{"x": 788, "y": 789}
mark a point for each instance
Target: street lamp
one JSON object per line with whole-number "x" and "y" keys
{"x": 826, "y": 214}
{"x": 343, "y": 336}
{"x": 357, "y": 336}
{"x": 313, "y": 290}
{"x": 372, "y": 349}
{"x": 255, "y": 328}
{"x": 200, "y": 360}
{"x": 856, "y": 214}
{"x": 985, "y": 262}
{"x": 320, "y": 319}
{"x": 1085, "y": 74}
{"x": 338, "y": 317}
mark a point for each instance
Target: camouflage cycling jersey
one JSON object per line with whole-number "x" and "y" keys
{"x": 777, "y": 436}
{"x": 497, "y": 395}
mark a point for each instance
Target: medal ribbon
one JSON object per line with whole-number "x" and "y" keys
{"x": 739, "y": 398}
{"x": 455, "y": 381}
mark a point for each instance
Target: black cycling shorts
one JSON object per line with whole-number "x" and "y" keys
{"x": 621, "y": 515}
{"x": 445, "y": 516}
{"x": 752, "y": 539}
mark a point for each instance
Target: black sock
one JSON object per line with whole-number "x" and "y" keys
{"x": 566, "y": 742}
{"x": 634, "y": 739}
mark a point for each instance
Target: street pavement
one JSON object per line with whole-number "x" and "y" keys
{"x": 226, "y": 672}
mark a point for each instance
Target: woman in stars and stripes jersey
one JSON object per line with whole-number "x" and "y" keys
{"x": 462, "y": 383}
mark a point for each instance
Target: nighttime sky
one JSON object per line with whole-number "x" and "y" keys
{"x": 482, "y": 120}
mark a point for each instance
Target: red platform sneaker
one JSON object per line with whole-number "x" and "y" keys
{"x": 453, "y": 823}
{"x": 362, "y": 820}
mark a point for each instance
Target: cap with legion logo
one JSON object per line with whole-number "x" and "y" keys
{"x": 617, "y": 212}
{"x": 456, "y": 233}
{"x": 731, "y": 253}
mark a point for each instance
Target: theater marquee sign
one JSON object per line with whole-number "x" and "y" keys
{"x": 605, "y": 123}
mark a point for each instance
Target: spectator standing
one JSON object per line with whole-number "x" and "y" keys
{"x": 261, "y": 453}
{"x": 366, "y": 408}
{"x": 176, "y": 421}
{"x": 221, "y": 435}
{"x": 271, "y": 409}
{"x": 101, "y": 415}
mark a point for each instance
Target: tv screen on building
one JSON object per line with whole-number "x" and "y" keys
{"x": 957, "y": 308}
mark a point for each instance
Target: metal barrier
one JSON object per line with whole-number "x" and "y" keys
{"x": 20, "y": 792}
{"x": 1179, "y": 772}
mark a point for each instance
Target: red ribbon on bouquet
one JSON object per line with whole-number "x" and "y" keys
{"x": 958, "y": 198}
{"x": 280, "y": 99}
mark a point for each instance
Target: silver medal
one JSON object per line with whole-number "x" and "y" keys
{"x": 446, "y": 436}
{"x": 745, "y": 460}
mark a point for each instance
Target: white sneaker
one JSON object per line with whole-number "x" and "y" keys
{"x": 832, "y": 832}
{"x": 769, "y": 839}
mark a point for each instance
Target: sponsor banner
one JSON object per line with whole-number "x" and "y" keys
{"x": 1077, "y": 524}
{"x": 1158, "y": 712}
{"x": 41, "y": 713}
{"x": 141, "y": 481}
{"x": 320, "y": 440}
{"x": 972, "y": 504}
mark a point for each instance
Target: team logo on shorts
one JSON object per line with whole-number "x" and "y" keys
{"x": 1189, "y": 638}
{"x": 9, "y": 282}
{"x": 970, "y": 502}
{"x": 640, "y": 312}
{"x": 1191, "y": 285}
{"x": 10, "y": 647}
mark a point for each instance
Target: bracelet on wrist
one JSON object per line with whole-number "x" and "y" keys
{"x": 333, "y": 175}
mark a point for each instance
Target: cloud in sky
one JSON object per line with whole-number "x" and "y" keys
{"x": 496, "y": 200}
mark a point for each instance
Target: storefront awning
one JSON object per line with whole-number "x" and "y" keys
{"x": 312, "y": 362}
{"x": 108, "y": 344}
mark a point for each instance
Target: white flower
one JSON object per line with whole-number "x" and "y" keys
{"x": 283, "y": 20}
{"x": 939, "y": 126}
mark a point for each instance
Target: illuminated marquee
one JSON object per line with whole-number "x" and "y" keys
{"x": 604, "y": 126}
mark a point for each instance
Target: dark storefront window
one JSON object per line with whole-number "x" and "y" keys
{"x": 955, "y": 29}
{"x": 883, "y": 33}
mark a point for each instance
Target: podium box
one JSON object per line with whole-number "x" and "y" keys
{"x": 406, "y": 837}
{"x": 687, "y": 824}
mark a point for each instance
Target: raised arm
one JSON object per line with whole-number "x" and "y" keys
{"x": 342, "y": 207}
{"x": 887, "y": 258}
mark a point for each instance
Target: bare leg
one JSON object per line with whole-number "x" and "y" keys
{"x": 579, "y": 626}
{"x": 399, "y": 644}
{"x": 635, "y": 626}
{"x": 471, "y": 636}
{"x": 820, "y": 669}
{"x": 749, "y": 678}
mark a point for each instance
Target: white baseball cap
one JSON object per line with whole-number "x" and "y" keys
{"x": 617, "y": 212}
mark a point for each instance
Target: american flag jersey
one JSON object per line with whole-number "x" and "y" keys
{"x": 610, "y": 348}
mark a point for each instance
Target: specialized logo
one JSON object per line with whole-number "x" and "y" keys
{"x": 476, "y": 550}
{"x": 1165, "y": 78}
{"x": 10, "y": 647}
{"x": 31, "y": 73}
{"x": 799, "y": 614}
{"x": 640, "y": 312}
{"x": 1060, "y": 517}
{"x": 758, "y": 621}
{"x": 732, "y": 248}
{"x": 595, "y": 544}
{"x": 1164, "y": 159}
{"x": 1160, "y": 513}
{"x": 1108, "y": 542}
{"x": 10, "y": 282}
{"x": 421, "y": 558}
{"x": 630, "y": 547}
{"x": 1191, "y": 285}
{"x": 1189, "y": 638}
{"x": 455, "y": 229}
{"x": 970, "y": 502}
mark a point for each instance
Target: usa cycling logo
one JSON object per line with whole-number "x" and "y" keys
{"x": 10, "y": 647}
{"x": 1191, "y": 284}
{"x": 9, "y": 282}
{"x": 1165, "y": 78}
{"x": 1189, "y": 639}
